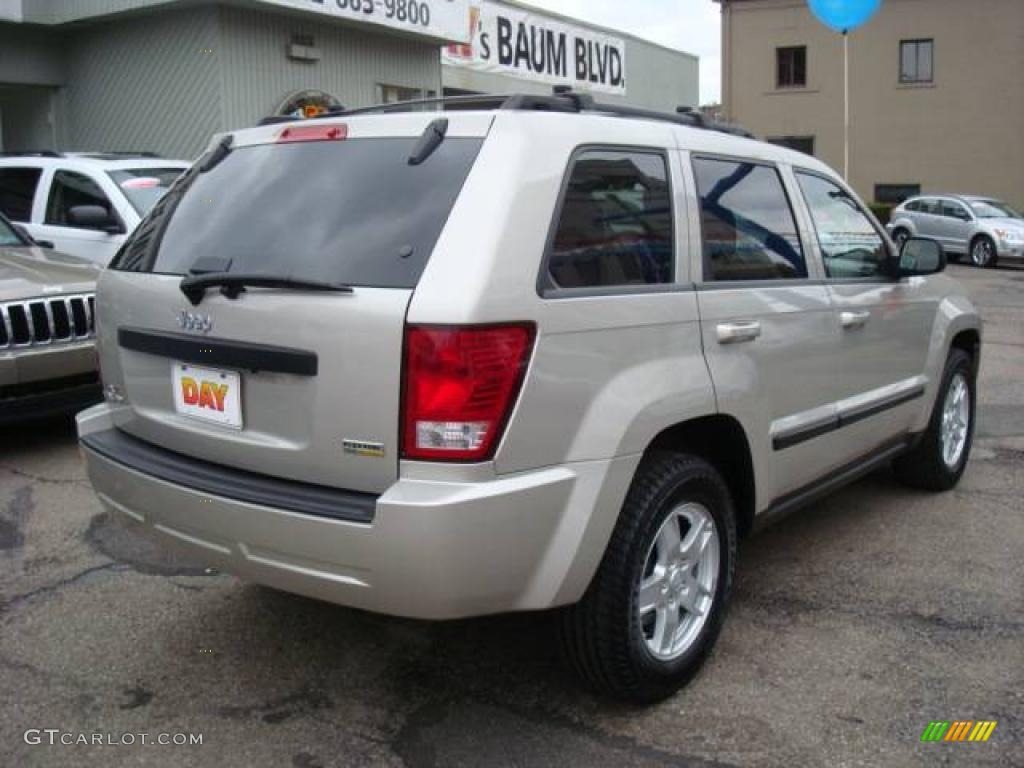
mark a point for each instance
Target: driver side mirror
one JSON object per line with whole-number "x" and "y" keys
{"x": 94, "y": 217}
{"x": 921, "y": 256}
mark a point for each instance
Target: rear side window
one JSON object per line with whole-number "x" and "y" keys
{"x": 353, "y": 212}
{"x": 17, "y": 190}
{"x": 747, "y": 224}
{"x": 70, "y": 189}
{"x": 615, "y": 222}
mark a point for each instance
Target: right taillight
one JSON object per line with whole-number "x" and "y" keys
{"x": 459, "y": 387}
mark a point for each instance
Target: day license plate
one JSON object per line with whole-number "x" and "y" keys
{"x": 209, "y": 394}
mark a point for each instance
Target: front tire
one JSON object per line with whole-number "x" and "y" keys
{"x": 655, "y": 606}
{"x": 983, "y": 252}
{"x": 938, "y": 461}
{"x": 900, "y": 236}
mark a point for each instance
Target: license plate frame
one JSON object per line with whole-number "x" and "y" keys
{"x": 209, "y": 395}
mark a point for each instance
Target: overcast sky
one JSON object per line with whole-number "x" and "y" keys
{"x": 691, "y": 25}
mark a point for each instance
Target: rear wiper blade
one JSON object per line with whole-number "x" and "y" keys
{"x": 233, "y": 283}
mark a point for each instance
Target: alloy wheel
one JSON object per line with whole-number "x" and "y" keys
{"x": 680, "y": 576}
{"x": 956, "y": 418}
{"x": 982, "y": 252}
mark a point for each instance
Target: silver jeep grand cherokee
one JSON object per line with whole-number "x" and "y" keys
{"x": 543, "y": 353}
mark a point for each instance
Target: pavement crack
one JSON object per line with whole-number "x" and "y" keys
{"x": 42, "y": 478}
{"x": 49, "y": 589}
{"x": 306, "y": 701}
{"x": 903, "y": 619}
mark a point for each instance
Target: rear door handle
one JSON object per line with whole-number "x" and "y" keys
{"x": 731, "y": 333}
{"x": 852, "y": 320}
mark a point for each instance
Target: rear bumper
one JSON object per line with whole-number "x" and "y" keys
{"x": 433, "y": 550}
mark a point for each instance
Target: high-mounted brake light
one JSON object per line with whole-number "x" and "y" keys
{"x": 459, "y": 387}
{"x": 296, "y": 133}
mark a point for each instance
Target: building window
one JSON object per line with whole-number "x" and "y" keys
{"x": 916, "y": 65}
{"x": 791, "y": 67}
{"x": 615, "y": 224}
{"x": 389, "y": 94}
{"x": 803, "y": 144}
{"x": 747, "y": 225}
{"x": 894, "y": 194}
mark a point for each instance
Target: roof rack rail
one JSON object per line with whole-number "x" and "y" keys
{"x": 562, "y": 99}
{"x": 127, "y": 153}
{"x": 32, "y": 153}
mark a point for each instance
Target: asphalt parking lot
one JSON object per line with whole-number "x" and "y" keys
{"x": 854, "y": 624}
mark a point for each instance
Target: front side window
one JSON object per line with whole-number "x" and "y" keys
{"x": 953, "y": 210}
{"x": 69, "y": 190}
{"x": 916, "y": 65}
{"x": 615, "y": 223}
{"x": 791, "y": 67}
{"x": 747, "y": 224}
{"x": 8, "y": 237}
{"x": 17, "y": 190}
{"x": 850, "y": 245}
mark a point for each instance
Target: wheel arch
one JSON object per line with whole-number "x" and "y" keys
{"x": 969, "y": 340}
{"x": 906, "y": 224}
{"x": 957, "y": 326}
{"x": 720, "y": 440}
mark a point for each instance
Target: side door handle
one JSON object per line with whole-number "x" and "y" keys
{"x": 851, "y": 320}
{"x": 732, "y": 333}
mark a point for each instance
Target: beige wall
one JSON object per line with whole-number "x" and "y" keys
{"x": 963, "y": 133}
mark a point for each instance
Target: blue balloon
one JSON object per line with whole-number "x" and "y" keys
{"x": 843, "y": 15}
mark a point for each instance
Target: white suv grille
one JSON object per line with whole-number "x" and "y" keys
{"x": 51, "y": 320}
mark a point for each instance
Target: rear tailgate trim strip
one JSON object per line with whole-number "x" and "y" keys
{"x": 230, "y": 483}
{"x": 231, "y": 354}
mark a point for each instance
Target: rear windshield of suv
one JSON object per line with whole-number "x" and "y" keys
{"x": 354, "y": 212}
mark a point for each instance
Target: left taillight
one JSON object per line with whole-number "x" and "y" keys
{"x": 459, "y": 385}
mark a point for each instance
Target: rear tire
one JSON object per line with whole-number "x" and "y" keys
{"x": 938, "y": 461}
{"x": 655, "y": 606}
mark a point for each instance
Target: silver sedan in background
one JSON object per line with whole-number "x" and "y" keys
{"x": 984, "y": 228}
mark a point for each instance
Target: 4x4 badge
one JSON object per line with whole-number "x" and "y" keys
{"x": 193, "y": 321}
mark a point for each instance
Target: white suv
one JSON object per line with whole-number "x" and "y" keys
{"x": 84, "y": 203}
{"x": 547, "y": 354}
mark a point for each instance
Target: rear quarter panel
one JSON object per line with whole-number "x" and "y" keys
{"x": 608, "y": 372}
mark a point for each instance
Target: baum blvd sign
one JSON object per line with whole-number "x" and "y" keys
{"x": 530, "y": 46}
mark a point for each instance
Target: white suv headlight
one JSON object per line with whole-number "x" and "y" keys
{"x": 1010, "y": 235}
